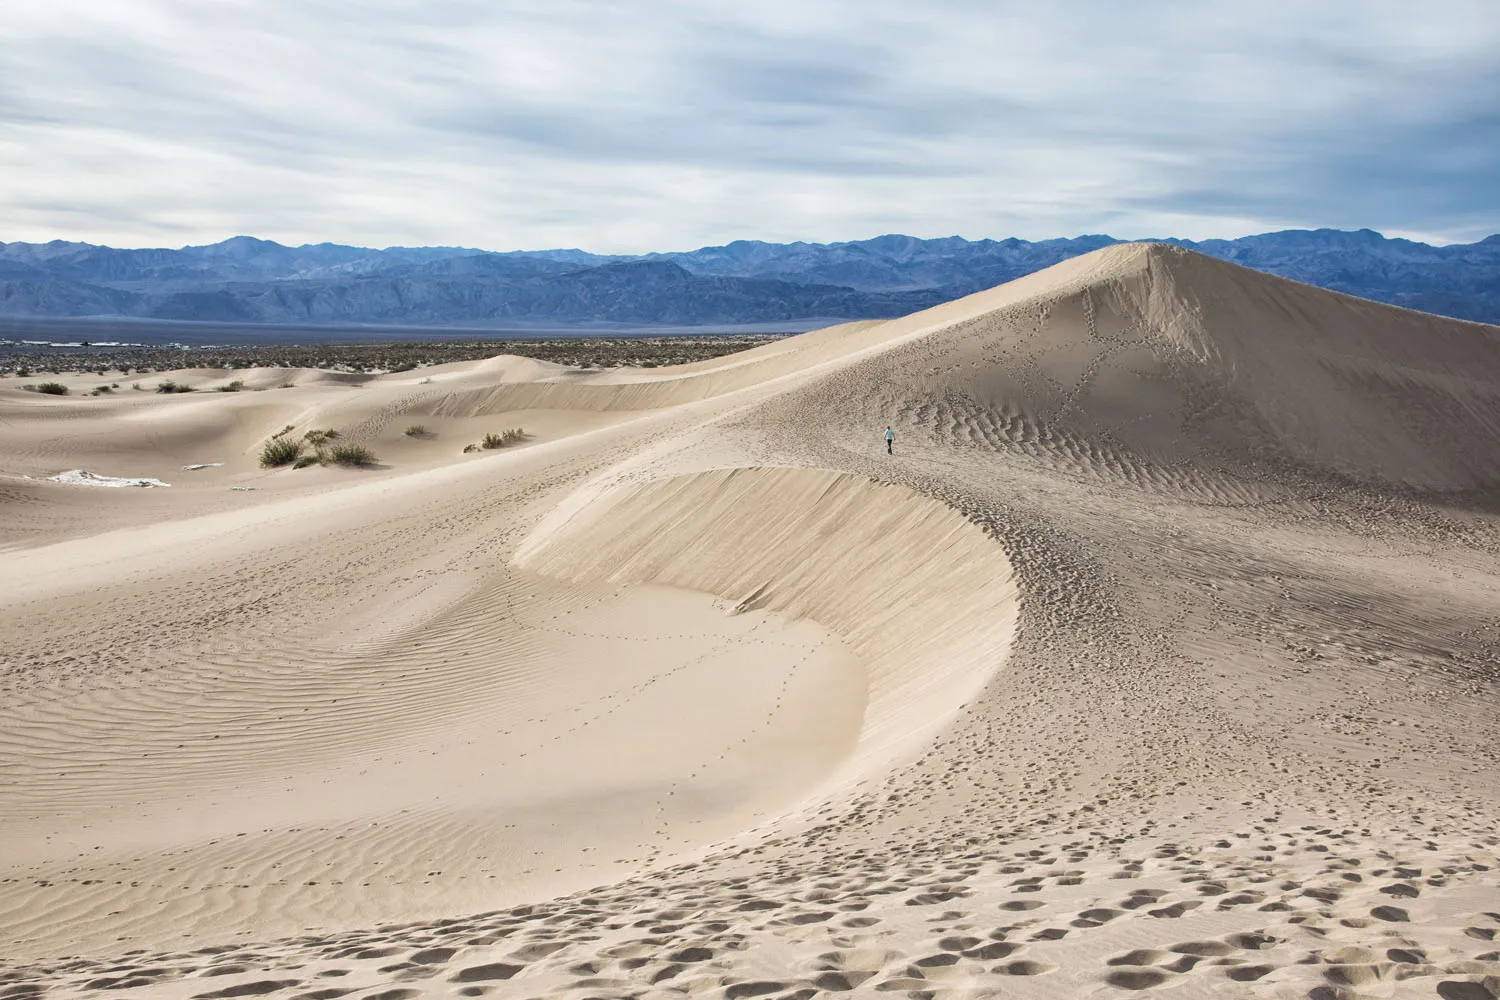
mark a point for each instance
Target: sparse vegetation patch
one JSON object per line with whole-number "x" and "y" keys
{"x": 397, "y": 356}
{"x": 280, "y": 451}
{"x": 505, "y": 437}
{"x": 318, "y": 439}
{"x": 168, "y": 386}
{"x": 351, "y": 455}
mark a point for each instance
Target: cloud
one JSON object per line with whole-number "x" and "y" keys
{"x": 673, "y": 124}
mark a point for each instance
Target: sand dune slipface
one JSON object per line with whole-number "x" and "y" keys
{"x": 926, "y": 600}
{"x": 1161, "y": 655}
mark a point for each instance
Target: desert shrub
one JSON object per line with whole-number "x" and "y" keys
{"x": 168, "y": 386}
{"x": 102, "y": 390}
{"x": 318, "y": 438}
{"x": 416, "y": 431}
{"x": 350, "y": 454}
{"x": 53, "y": 388}
{"x": 306, "y": 460}
{"x": 280, "y": 451}
{"x": 502, "y": 439}
{"x": 470, "y": 447}
{"x": 234, "y": 386}
{"x": 285, "y": 430}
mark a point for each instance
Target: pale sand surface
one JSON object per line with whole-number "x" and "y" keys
{"x": 1163, "y": 655}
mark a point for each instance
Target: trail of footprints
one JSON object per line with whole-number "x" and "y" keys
{"x": 980, "y": 921}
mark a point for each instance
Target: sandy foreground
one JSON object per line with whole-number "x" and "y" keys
{"x": 1162, "y": 655}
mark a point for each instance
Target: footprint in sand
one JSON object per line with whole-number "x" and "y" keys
{"x": 1137, "y": 978}
{"x": 484, "y": 973}
{"x": 253, "y": 989}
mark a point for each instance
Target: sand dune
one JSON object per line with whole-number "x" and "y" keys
{"x": 1161, "y": 655}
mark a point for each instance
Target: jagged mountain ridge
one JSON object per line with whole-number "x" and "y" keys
{"x": 244, "y": 279}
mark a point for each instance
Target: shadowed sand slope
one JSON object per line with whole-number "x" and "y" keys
{"x": 1162, "y": 654}
{"x": 922, "y": 596}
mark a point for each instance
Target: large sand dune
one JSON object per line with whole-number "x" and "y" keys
{"x": 1162, "y": 654}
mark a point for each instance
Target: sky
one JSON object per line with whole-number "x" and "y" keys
{"x": 666, "y": 125}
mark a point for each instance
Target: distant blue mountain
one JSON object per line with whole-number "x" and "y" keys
{"x": 248, "y": 280}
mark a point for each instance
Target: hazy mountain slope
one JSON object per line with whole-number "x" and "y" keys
{"x": 642, "y": 292}
{"x": 250, "y": 280}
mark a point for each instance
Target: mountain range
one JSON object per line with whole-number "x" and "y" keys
{"x": 249, "y": 280}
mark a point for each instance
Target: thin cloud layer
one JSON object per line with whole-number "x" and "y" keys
{"x": 674, "y": 124}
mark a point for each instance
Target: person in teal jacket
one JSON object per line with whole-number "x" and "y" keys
{"x": 890, "y": 437}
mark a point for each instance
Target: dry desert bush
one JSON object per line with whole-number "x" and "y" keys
{"x": 280, "y": 451}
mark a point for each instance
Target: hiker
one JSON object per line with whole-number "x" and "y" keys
{"x": 890, "y": 437}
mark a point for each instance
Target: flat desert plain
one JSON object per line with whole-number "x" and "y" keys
{"x": 1162, "y": 655}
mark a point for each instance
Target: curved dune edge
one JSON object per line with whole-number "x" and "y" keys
{"x": 925, "y": 599}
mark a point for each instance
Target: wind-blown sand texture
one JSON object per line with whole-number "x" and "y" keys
{"x": 1161, "y": 656}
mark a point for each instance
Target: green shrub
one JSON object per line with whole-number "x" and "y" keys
{"x": 502, "y": 439}
{"x": 351, "y": 454}
{"x": 169, "y": 386}
{"x": 53, "y": 388}
{"x": 280, "y": 451}
{"x": 318, "y": 438}
{"x": 234, "y": 386}
{"x": 470, "y": 447}
{"x": 307, "y": 460}
{"x": 285, "y": 430}
{"x": 416, "y": 431}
